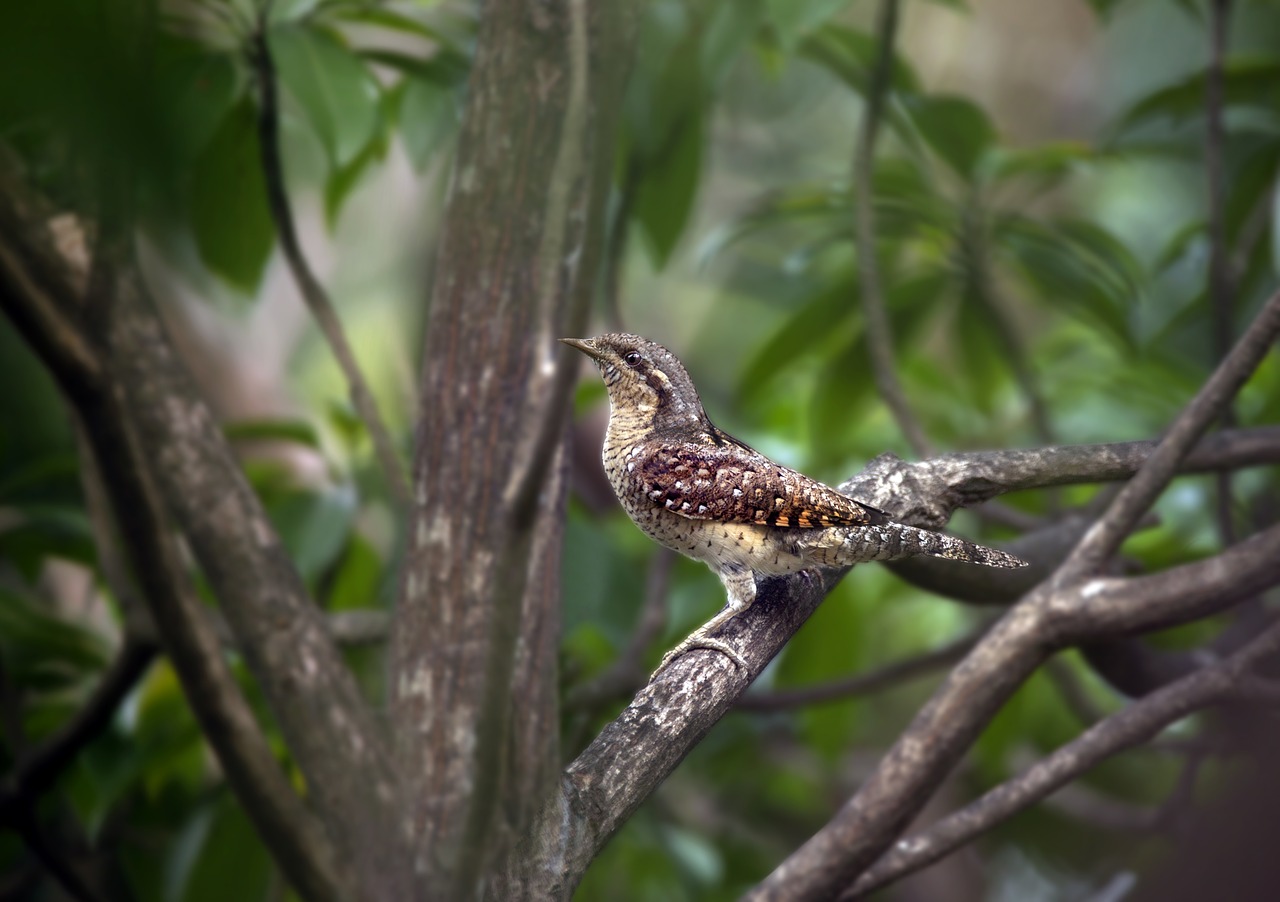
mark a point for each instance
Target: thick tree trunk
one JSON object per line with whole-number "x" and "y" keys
{"x": 473, "y": 688}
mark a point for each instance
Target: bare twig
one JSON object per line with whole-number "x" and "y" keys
{"x": 865, "y": 683}
{"x": 1133, "y": 500}
{"x": 557, "y": 264}
{"x": 1122, "y": 730}
{"x": 1060, "y": 612}
{"x": 313, "y": 293}
{"x": 38, "y": 771}
{"x": 1221, "y": 290}
{"x": 879, "y": 332}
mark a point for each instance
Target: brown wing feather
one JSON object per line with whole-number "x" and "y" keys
{"x": 731, "y": 483}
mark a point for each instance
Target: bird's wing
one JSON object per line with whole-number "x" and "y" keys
{"x": 731, "y": 483}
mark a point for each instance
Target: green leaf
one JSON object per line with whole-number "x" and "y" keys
{"x": 358, "y": 577}
{"x": 298, "y": 432}
{"x": 428, "y": 115}
{"x": 343, "y": 180}
{"x": 231, "y": 862}
{"x": 1246, "y": 82}
{"x": 41, "y": 530}
{"x": 228, "y": 203}
{"x": 445, "y": 68}
{"x": 43, "y": 652}
{"x": 956, "y": 129}
{"x": 1044, "y": 167}
{"x": 196, "y": 91}
{"x": 816, "y": 323}
{"x": 793, "y": 19}
{"x": 1078, "y": 266}
{"x": 849, "y": 55}
{"x": 1253, "y": 169}
{"x": 664, "y": 197}
{"x": 314, "y": 526}
{"x": 391, "y": 19}
{"x": 337, "y": 94}
{"x": 731, "y": 28}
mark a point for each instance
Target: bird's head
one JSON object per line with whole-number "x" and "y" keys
{"x": 645, "y": 381}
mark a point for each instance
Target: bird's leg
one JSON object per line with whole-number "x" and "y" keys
{"x": 740, "y": 584}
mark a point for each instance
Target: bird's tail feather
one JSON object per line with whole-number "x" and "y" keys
{"x": 892, "y": 541}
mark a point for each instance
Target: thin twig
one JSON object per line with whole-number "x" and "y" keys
{"x": 1122, "y": 730}
{"x": 1132, "y": 501}
{"x": 313, "y": 293}
{"x": 1221, "y": 290}
{"x": 1064, "y": 610}
{"x": 38, "y": 771}
{"x": 548, "y": 385}
{"x": 879, "y": 332}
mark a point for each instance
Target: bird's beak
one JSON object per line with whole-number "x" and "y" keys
{"x": 586, "y": 346}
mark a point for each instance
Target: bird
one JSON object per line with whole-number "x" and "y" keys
{"x": 697, "y": 490}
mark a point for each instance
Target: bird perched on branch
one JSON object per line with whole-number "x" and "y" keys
{"x": 699, "y": 491}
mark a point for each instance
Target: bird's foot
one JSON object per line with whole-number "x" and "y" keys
{"x": 699, "y": 641}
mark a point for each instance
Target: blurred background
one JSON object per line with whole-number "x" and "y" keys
{"x": 1046, "y": 224}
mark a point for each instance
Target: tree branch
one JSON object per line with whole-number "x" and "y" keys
{"x": 605, "y": 784}
{"x": 879, "y": 332}
{"x": 209, "y": 491}
{"x": 328, "y": 725}
{"x": 1220, "y": 290}
{"x": 1133, "y": 500}
{"x": 473, "y": 655}
{"x": 966, "y": 479}
{"x": 1123, "y": 730}
{"x": 1051, "y": 617}
{"x": 313, "y": 293}
{"x": 36, "y": 773}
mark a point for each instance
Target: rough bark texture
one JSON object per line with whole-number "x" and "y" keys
{"x": 473, "y": 655}
{"x": 43, "y": 297}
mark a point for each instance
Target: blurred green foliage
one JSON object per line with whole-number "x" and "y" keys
{"x": 1081, "y": 254}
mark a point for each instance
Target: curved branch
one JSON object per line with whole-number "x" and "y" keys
{"x": 1133, "y": 500}
{"x": 1023, "y": 639}
{"x": 605, "y": 784}
{"x": 1220, "y": 290}
{"x": 879, "y": 332}
{"x": 188, "y": 455}
{"x": 1122, "y": 730}
{"x": 38, "y": 771}
{"x": 313, "y": 293}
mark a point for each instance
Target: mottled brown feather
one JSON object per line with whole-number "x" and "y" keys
{"x": 724, "y": 480}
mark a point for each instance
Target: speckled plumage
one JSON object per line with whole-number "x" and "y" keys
{"x": 699, "y": 491}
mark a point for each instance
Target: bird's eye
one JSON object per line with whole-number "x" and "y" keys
{"x": 631, "y": 358}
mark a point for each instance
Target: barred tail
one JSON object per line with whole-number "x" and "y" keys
{"x": 843, "y": 547}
